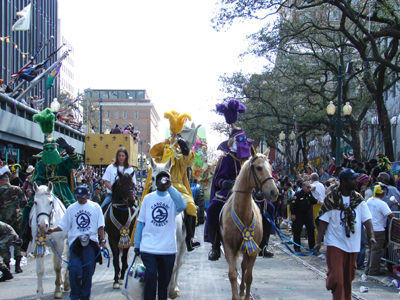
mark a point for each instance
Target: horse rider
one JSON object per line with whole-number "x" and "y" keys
{"x": 12, "y": 199}
{"x": 237, "y": 150}
{"x": 121, "y": 164}
{"x": 8, "y": 237}
{"x": 52, "y": 167}
{"x": 182, "y": 158}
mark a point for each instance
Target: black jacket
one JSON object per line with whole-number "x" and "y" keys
{"x": 302, "y": 202}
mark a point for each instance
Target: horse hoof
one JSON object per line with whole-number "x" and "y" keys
{"x": 121, "y": 281}
{"x": 67, "y": 288}
{"x": 115, "y": 285}
{"x": 58, "y": 295}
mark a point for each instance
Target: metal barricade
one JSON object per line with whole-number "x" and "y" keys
{"x": 392, "y": 250}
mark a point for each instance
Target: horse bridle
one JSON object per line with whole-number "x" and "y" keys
{"x": 258, "y": 182}
{"x": 124, "y": 201}
{"x": 49, "y": 215}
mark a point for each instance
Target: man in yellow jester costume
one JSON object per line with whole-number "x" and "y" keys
{"x": 182, "y": 157}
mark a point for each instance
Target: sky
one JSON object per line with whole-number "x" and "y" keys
{"x": 168, "y": 48}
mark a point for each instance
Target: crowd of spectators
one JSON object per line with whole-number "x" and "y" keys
{"x": 370, "y": 174}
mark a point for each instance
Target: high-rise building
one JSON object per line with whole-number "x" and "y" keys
{"x": 121, "y": 107}
{"x": 67, "y": 74}
{"x": 16, "y": 47}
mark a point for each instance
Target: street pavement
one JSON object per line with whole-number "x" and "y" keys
{"x": 284, "y": 276}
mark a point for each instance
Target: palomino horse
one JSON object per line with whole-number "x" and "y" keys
{"x": 48, "y": 211}
{"x": 241, "y": 223}
{"x": 119, "y": 224}
{"x": 180, "y": 235}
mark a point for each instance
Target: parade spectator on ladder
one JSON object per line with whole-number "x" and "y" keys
{"x": 83, "y": 241}
{"x": 111, "y": 174}
{"x": 155, "y": 240}
{"x": 380, "y": 213}
{"x": 301, "y": 209}
{"x": 341, "y": 217}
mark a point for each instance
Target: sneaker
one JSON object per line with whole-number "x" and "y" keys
{"x": 297, "y": 249}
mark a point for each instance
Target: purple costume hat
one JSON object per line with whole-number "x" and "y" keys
{"x": 230, "y": 112}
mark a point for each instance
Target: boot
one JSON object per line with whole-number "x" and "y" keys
{"x": 191, "y": 242}
{"x": 215, "y": 252}
{"x": 17, "y": 265}
{"x": 26, "y": 236}
{"x": 6, "y": 274}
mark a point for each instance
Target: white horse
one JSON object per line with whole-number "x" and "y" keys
{"x": 173, "y": 289}
{"x": 48, "y": 211}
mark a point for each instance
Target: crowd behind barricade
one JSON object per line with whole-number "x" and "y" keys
{"x": 301, "y": 196}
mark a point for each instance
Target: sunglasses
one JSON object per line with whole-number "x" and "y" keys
{"x": 309, "y": 187}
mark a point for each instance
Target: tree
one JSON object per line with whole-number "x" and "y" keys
{"x": 365, "y": 33}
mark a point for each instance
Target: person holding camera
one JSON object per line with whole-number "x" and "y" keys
{"x": 155, "y": 240}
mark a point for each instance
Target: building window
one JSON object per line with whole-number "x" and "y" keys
{"x": 108, "y": 114}
{"x": 104, "y": 94}
{"x": 136, "y": 114}
{"x": 124, "y": 114}
{"x": 121, "y": 95}
{"x": 130, "y": 94}
{"x": 140, "y": 95}
{"x": 115, "y": 114}
{"x": 113, "y": 94}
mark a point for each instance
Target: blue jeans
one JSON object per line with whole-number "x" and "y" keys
{"x": 107, "y": 200}
{"x": 157, "y": 267}
{"x": 81, "y": 278}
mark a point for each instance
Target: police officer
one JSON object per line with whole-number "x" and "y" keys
{"x": 12, "y": 199}
{"x": 302, "y": 215}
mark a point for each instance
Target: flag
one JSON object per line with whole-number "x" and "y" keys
{"x": 53, "y": 75}
{"x": 27, "y": 66}
{"x": 32, "y": 72}
{"x": 24, "y": 22}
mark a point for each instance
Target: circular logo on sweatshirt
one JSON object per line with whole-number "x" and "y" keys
{"x": 83, "y": 220}
{"x": 159, "y": 215}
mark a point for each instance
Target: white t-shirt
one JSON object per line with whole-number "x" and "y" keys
{"x": 82, "y": 219}
{"x": 335, "y": 234}
{"x": 111, "y": 174}
{"x": 158, "y": 235}
{"x": 319, "y": 192}
{"x": 379, "y": 211}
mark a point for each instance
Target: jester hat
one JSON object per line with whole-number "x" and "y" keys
{"x": 46, "y": 121}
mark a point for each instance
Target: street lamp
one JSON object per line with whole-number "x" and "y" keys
{"x": 55, "y": 106}
{"x": 292, "y": 136}
{"x": 346, "y": 111}
{"x": 101, "y": 115}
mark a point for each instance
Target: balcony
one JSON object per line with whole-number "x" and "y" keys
{"x": 17, "y": 127}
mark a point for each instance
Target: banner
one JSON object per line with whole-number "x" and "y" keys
{"x": 25, "y": 21}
